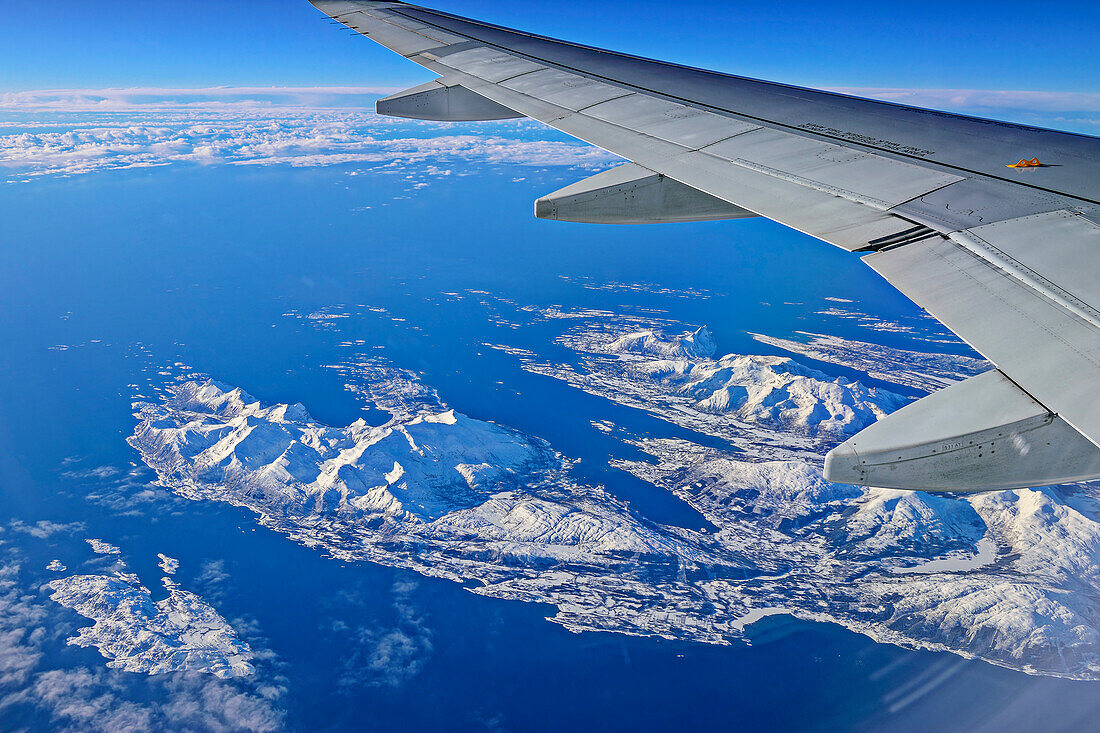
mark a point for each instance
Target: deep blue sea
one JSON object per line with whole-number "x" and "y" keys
{"x": 134, "y": 270}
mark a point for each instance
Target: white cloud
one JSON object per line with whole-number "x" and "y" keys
{"x": 1071, "y": 111}
{"x": 43, "y": 529}
{"x": 99, "y": 472}
{"x": 20, "y": 636}
{"x": 1048, "y": 102}
{"x": 103, "y": 700}
{"x": 74, "y": 132}
{"x": 212, "y": 578}
{"x": 389, "y": 657}
{"x": 99, "y": 100}
{"x": 360, "y": 98}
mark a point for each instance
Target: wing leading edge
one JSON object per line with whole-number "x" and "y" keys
{"x": 1003, "y": 256}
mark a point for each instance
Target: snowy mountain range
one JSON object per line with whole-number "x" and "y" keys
{"x": 1009, "y": 578}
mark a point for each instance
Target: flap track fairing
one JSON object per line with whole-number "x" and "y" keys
{"x": 631, "y": 194}
{"x": 440, "y": 101}
{"x": 982, "y": 434}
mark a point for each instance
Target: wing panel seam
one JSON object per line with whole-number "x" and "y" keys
{"x": 1029, "y": 277}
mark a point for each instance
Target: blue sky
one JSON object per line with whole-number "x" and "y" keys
{"x": 936, "y": 44}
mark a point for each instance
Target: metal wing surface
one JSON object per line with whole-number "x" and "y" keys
{"x": 1004, "y": 255}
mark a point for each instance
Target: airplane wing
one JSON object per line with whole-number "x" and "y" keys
{"x": 992, "y": 227}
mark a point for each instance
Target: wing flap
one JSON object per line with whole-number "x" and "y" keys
{"x": 489, "y": 64}
{"x": 571, "y": 91}
{"x": 858, "y": 176}
{"x": 1053, "y": 252}
{"x": 395, "y": 36}
{"x": 974, "y": 202}
{"x": 821, "y": 214}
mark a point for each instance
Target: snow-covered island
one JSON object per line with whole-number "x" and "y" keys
{"x": 919, "y": 370}
{"x": 100, "y": 547}
{"x": 766, "y": 405}
{"x": 1011, "y": 578}
{"x": 181, "y": 633}
{"x": 168, "y": 565}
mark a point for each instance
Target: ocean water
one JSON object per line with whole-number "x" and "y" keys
{"x": 106, "y": 280}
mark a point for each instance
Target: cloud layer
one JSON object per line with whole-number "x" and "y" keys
{"x": 1072, "y": 111}
{"x": 1046, "y": 102}
{"x": 99, "y": 100}
{"x": 78, "y": 132}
